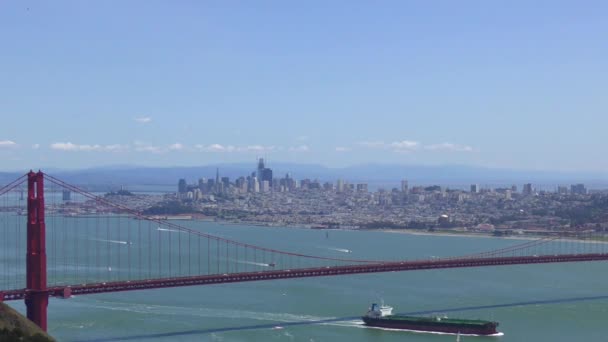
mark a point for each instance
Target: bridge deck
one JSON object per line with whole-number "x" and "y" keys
{"x": 65, "y": 291}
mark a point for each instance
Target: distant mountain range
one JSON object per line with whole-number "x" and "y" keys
{"x": 385, "y": 175}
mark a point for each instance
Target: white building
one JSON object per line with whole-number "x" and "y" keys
{"x": 265, "y": 186}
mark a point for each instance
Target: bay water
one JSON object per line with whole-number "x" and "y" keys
{"x": 549, "y": 302}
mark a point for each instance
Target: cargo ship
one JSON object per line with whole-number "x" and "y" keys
{"x": 382, "y": 316}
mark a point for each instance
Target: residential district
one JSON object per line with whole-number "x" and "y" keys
{"x": 261, "y": 198}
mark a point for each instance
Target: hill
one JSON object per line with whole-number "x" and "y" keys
{"x": 15, "y": 327}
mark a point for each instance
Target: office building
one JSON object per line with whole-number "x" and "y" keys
{"x": 182, "y": 186}
{"x": 340, "y": 185}
{"x": 263, "y": 173}
{"x": 362, "y": 187}
{"x": 578, "y": 189}
{"x": 265, "y": 186}
{"x": 404, "y": 186}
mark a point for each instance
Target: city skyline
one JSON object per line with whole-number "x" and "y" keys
{"x": 262, "y": 180}
{"x": 496, "y": 85}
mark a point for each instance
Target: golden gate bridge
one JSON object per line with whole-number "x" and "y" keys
{"x": 85, "y": 244}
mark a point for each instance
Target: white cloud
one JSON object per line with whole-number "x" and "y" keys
{"x": 176, "y": 147}
{"x": 214, "y": 148}
{"x": 145, "y": 147}
{"x": 68, "y": 146}
{"x": 141, "y": 146}
{"x": 143, "y": 119}
{"x": 149, "y": 148}
{"x": 372, "y": 144}
{"x": 115, "y": 148}
{"x": 404, "y": 146}
{"x": 301, "y": 148}
{"x": 396, "y": 146}
{"x": 342, "y": 149}
{"x": 449, "y": 147}
{"x": 7, "y": 143}
{"x": 257, "y": 148}
{"x": 232, "y": 148}
{"x": 35, "y": 146}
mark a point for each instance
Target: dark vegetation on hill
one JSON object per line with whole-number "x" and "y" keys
{"x": 15, "y": 327}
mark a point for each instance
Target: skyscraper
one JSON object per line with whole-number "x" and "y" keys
{"x": 265, "y": 186}
{"x": 182, "y": 186}
{"x": 218, "y": 185}
{"x": 340, "y": 185}
{"x": 404, "y": 185}
{"x": 256, "y": 184}
{"x": 263, "y": 173}
{"x": 578, "y": 189}
{"x": 260, "y": 167}
{"x": 202, "y": 184}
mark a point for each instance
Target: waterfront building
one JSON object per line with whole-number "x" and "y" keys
{"x": 527, "y": 190}
{"x": 474, "y": 188}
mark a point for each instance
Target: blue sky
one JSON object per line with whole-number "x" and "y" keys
{"x": 516, "y": 84}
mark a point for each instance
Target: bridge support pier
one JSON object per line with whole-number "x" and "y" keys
{"x": 37, "y": 297}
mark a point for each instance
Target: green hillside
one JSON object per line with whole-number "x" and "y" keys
{"x": 15, "y": 327}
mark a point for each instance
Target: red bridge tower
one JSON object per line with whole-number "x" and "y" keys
{"x": 37, "y": 297}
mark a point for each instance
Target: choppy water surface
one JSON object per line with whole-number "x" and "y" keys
{"x": 554, "y": 302}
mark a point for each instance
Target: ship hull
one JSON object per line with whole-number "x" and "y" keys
{"x": 488, "y": 329}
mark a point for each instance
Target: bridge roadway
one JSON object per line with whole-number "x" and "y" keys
{"x": 84, "y": 289}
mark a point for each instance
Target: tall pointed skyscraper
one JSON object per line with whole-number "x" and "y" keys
{"x": 217, "y": 180}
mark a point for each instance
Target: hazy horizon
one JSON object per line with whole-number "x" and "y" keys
{"x": 379, "y": 175}
{"x": 252, "y": 164}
